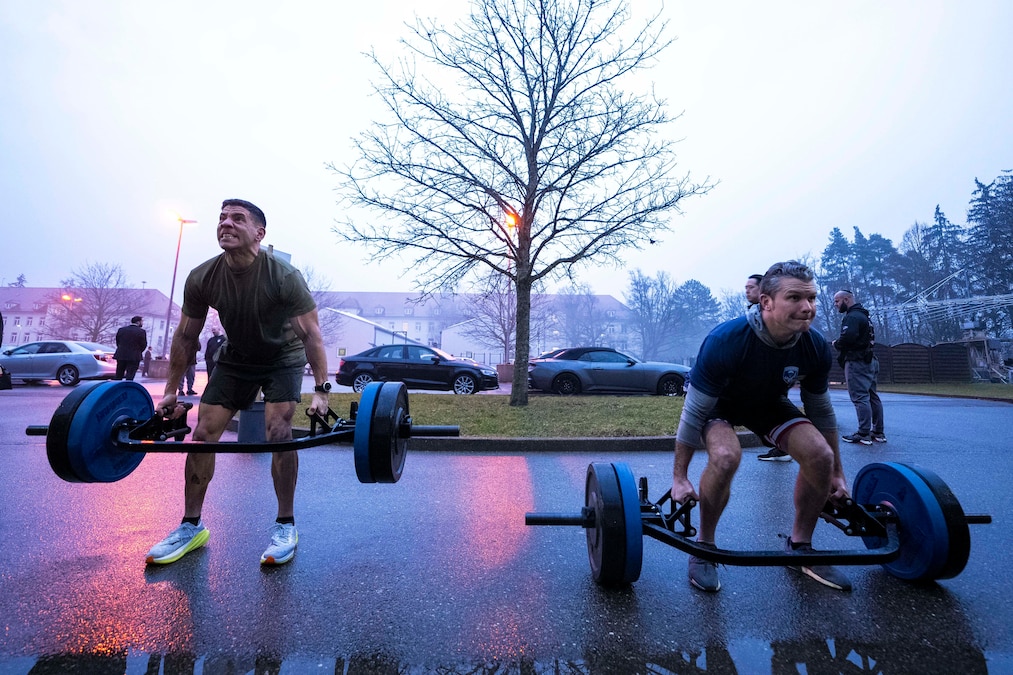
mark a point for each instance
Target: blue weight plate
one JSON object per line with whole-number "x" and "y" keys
{"x": 387, "y": 449}
{"x": 613, "y": 561}
{"x": 364, "y": 431}
{"x": 91, "y": 448}
{"x": 922, "y": 528}
{"x": 634, "y": 524}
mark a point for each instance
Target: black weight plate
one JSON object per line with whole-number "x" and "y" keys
{"x": 364, "y": 431}
{"x": 59, "y": 427}
{"x": 927, "y": 549}
{"x": 956, "y": 524}
{"x": 613, "y": 561}
{"x": 90, "y": 437}
{"x": 387, "y": 448}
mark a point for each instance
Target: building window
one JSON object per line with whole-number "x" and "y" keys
{"x": 418, "y": 326}
{"x": 42, "y": 321}
{"x": 408, "y": 311}
{"x": 28, "y": 321}
{"x": 378, "y": 311}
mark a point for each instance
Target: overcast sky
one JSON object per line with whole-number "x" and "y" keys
{"x": 117, "y": 114}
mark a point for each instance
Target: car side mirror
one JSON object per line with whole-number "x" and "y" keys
{"x": 630, "y": 362}
{"x": 435, "y": 360}
{"x": 7, "y": 353}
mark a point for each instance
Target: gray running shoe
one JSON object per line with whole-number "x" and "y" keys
{"x": 284, "y": 538}
{"x": 704, "y": 574}
{"x": 878, "y": 437}
{"x": 825, "y": 574}
{"x": 180, "y": 541}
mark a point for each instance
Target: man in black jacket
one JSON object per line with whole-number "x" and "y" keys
{"x": 861, "y": 368}
{"x": 130, "y": 343}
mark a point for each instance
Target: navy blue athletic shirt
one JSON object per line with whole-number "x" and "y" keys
{"x": 736, "y": 366}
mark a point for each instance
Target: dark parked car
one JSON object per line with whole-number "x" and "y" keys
{"x": 418, "y": 367}
{"x": 66, "y": 361}
{"x": 602, "y": 369}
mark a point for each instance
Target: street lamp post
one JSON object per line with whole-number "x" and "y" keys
{"x": 172, "y": 288}
{"x": 71, "y": 323}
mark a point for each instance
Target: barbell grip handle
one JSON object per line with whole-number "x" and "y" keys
{"x": 978, "y": 518}
{"x": 37, "y": 430}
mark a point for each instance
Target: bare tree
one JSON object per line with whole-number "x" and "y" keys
{"x": 93, "y": 303}
{"x": 331, "y": 323}
{"x": 655, "y": 308}
{"x": 517, "y": 151}
{"x": 579, "y": 319}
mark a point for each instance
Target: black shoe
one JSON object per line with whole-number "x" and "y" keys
{"x": 775, "y": 455}
{"x": 858, "y": 437}
{"x": 825, "y": 574}
{"x": 878, "y": 437}
{"x": 191, "y": 393}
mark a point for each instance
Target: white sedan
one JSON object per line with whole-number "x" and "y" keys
{"x": 66, "y": 361}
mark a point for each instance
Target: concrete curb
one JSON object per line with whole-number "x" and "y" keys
{"x": 583, "y": 445}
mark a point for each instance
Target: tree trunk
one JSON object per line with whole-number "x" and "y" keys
{"x": 522, "y": 345}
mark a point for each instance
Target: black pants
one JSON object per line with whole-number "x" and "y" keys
{"x": 126, "y": 369}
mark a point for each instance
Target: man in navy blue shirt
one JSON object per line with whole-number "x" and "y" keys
{"x": 741, "y": 378}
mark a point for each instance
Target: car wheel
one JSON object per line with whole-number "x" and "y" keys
{"x": 68, "y": 376}
{"x": 671, "y": 385}
{"x": 566, "y": 385}
{"x": 464, "y": 384}
{"x": 360, "y": 382}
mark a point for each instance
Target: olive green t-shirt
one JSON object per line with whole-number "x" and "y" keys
{"x": 255, "y": 306}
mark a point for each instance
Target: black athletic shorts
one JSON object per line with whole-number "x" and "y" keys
{"x": 769, "y": 421}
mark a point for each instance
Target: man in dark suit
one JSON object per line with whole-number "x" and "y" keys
{"x": 130, "y": 344}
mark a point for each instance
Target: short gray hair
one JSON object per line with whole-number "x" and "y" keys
{"x": 793, "y": 269}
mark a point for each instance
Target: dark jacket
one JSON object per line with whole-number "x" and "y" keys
{"x": 131, "y": 342}
{"x": 857, "y": 336}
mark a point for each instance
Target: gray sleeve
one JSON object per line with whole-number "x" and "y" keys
{"x": 695, "y": 410}
{"x": 819, "y": 410}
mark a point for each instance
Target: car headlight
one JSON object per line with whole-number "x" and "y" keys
{"x": 488, "y": 371}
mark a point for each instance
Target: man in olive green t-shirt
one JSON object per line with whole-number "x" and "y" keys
{"x": 270, "y": 317}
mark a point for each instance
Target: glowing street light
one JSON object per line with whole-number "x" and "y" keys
{"x": 172, "y": 288}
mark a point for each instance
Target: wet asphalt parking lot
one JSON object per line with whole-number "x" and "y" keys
{"x": 439, "y": 574}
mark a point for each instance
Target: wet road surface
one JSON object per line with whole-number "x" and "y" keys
{"x": 439, "y": 574}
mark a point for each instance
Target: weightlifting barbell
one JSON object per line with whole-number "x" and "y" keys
{"x": 909, "y": 520}
{"x": 101, "y": 432}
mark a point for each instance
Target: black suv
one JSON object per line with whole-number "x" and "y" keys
{"x": 418, "y": 367}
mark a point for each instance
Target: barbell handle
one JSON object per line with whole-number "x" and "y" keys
{"x": 37, "y": 430}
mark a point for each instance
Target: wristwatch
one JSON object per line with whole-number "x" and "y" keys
{"x": 322, "y": 388}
